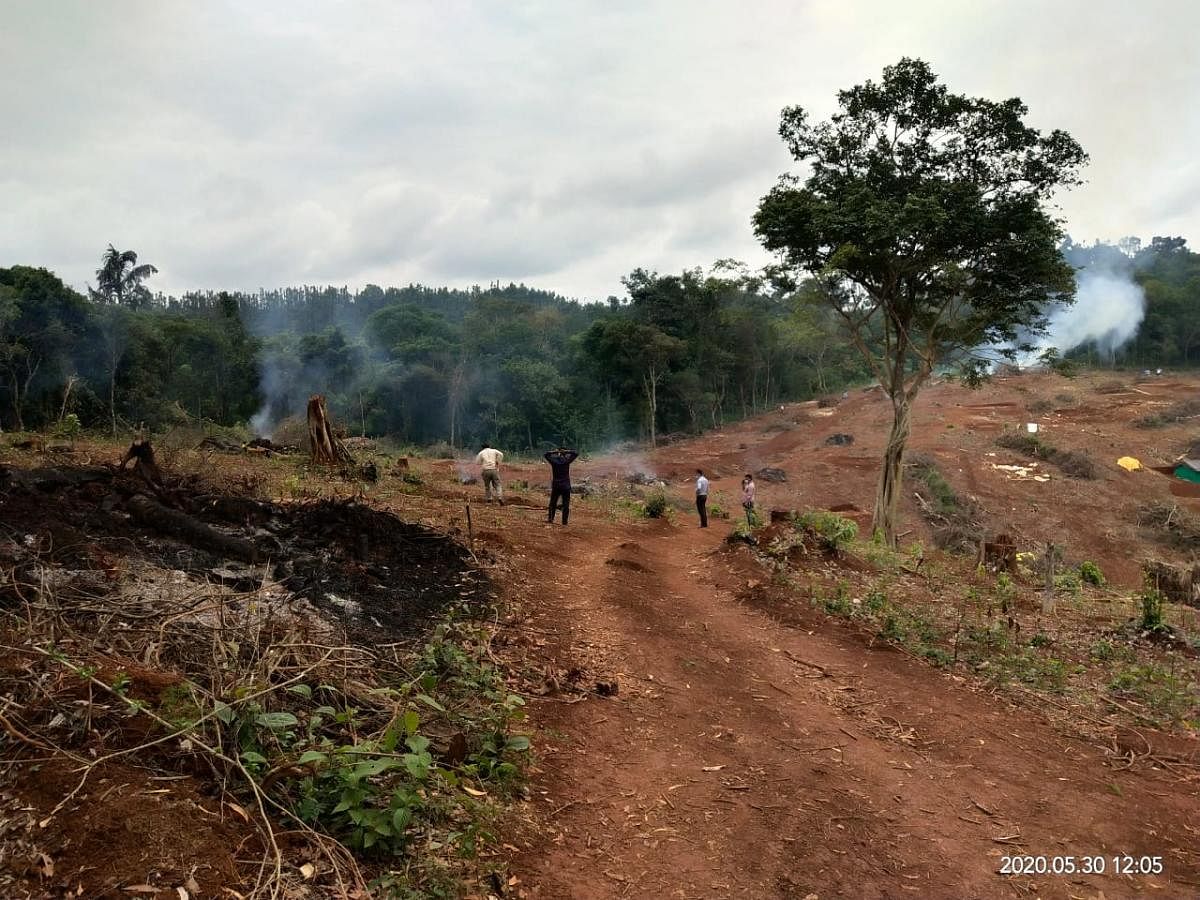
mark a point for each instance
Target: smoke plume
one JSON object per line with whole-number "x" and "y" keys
{"x": 1109, "y": 307}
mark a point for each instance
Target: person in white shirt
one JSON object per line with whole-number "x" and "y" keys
{"x": 489, "y": 462}
{"x": 702, "y": 497}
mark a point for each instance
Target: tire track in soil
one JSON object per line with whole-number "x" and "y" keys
{"x": 773, "y": 755}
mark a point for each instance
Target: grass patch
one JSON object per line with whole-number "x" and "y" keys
{"x": 954, "y": 517}
{"x": 1176, "y": 412}
{"x": 836, "y": 532}
{"x": 1074, "y": 463}
{"x": 1160, "y": 689}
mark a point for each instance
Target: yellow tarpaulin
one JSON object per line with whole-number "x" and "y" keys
{"x": 1129, "y": 464}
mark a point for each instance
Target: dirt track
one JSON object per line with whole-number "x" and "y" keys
{"x": 915, "y": 787}
{"x": 759, "y": 749}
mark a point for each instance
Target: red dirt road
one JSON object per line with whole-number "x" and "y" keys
{"x": 758, "y": 749}
{"x": 746, "y": 757}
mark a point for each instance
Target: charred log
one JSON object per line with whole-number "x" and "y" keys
{"x": 149, "y": 513}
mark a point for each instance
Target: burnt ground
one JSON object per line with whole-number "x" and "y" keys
{"x": 154, "y": 585}
{"x": 376, "y": 575}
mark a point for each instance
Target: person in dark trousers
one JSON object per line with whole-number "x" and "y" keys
{"x": 560, "y": 481}
{"x": 702, "y": 497}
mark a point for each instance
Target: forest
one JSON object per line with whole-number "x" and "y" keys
{"x": 515, "y": 365}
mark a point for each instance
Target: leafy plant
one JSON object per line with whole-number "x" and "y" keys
{"x": 656, "y": 504}
{"x": 1152, "y": 611}
{"x": 1090, "y": 573}
{"x": 836, "y": 531}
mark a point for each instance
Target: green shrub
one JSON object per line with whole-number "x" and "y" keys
{"x": 1090, "y": 573}
{"x": 741, "y": 533}
{"x": 69, "y": 427}
{"x": 1152, "y": 611}
{"x": 1069, "y": 583}
{"x": 655, "y": 505}
{"x": 832, "y": 528}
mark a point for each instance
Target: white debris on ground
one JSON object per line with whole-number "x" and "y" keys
{"x": 1021, "y": 473}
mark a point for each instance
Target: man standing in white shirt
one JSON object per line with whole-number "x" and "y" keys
{"x": 702, "y": 497}
{"x": 489, "y": 462}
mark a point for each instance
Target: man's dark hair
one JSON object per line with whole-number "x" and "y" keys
{"x": 699, "y": 471}
{"x": 483, "y": 446}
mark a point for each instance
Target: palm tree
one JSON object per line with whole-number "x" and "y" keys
{"x": 118, "y": 283}
{"x": 119, "y": 279}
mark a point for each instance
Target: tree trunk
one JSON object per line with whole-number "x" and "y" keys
{"x": 887, "y": 495}
{"x": 323, "y": 444}
{"x": 651, "y": 384}
{"x": 18, "y": 419}
{"x": 112, "y": 397}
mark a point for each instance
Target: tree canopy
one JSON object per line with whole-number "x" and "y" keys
{"x": 924, "y": 219}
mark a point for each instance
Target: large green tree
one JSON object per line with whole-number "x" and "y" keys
{"x": 924, "y": 215}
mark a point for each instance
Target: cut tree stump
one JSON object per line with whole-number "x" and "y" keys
{"x": 323, "y": 444}
{"x": 142, "y": 453}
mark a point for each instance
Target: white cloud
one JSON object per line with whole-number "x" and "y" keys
{"x": 244, "y": 145}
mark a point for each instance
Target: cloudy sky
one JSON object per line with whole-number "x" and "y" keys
{"x": 559, "y": 143}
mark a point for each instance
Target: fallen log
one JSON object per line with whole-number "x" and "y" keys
{"x": 152, "y": 514}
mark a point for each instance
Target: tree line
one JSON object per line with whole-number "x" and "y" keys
{"x": 512, "y": 364}
{"x": 509, "y": 364}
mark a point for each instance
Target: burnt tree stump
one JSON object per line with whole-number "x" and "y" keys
{"x": 323, "y": 444}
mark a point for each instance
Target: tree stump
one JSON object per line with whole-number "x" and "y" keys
{"x": 323, "y": 444}
{"x": 142, "y": 454}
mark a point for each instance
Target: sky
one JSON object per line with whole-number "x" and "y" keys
{"x": 239, "y": 145}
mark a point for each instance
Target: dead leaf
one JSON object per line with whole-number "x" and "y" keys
{"x": 308, "y": 870}
{"x": 239, "y": 810}
{"x": 467, "y": 789}
{"x": 192, "y": 885}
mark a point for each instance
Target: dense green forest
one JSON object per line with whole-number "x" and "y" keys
{"x": 512, "y": 364}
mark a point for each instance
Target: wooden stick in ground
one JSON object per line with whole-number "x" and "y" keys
{"x": 1048, "y": 596}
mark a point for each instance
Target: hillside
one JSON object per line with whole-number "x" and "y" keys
{"x": 788, "y": 712}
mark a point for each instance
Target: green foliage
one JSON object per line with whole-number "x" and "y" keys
{"x": 69, "y": 427}
{"x": 836, "y": 531}
{"x": 1152, "y": 610}
{"x": 741, "y": 532}
{"x": 1161, "y": 689}
{"x": 1090, "y": 573}
{"x": 1069, "y": 582}
{"x": 656, "y": 504}
{"x": 924, "y": 214}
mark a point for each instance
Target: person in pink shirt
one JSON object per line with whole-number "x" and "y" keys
{"x": 748, "y": 497}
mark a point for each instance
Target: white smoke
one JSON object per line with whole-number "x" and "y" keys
{"x": 1108, "y": 309}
